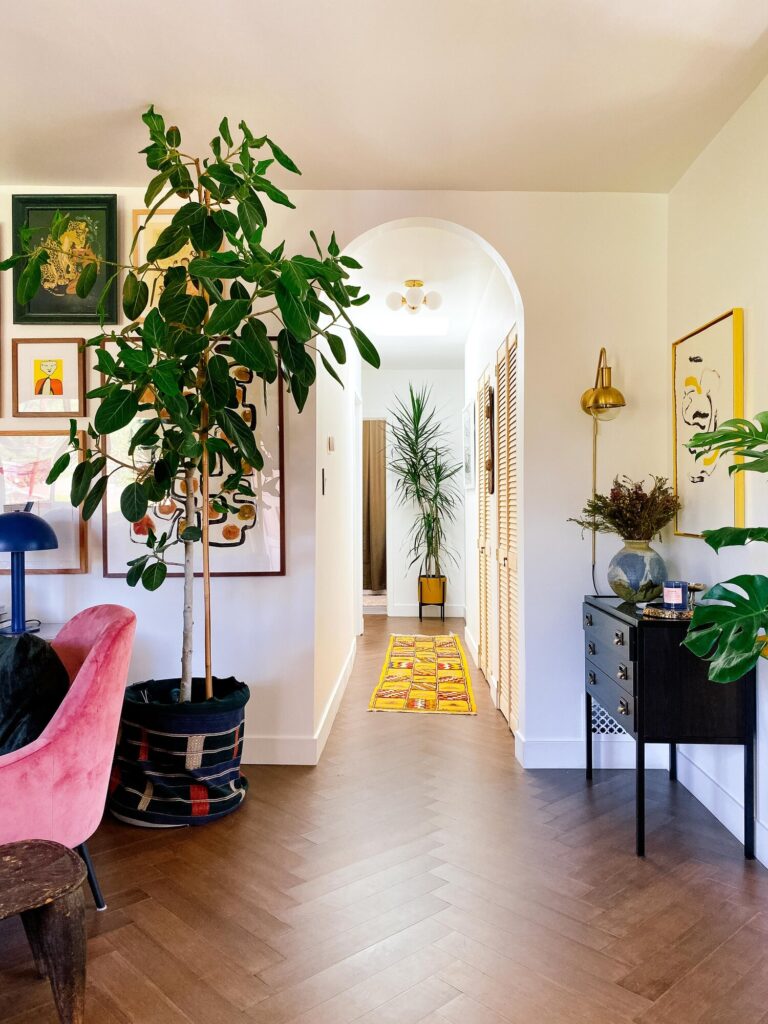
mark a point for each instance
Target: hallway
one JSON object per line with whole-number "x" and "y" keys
{"x": 418, "y": 874}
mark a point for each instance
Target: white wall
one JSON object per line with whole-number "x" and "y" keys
{"x": 718, "y": 259}
{"x": 380, "y": 390}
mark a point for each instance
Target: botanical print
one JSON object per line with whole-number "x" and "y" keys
{"x": 707, "y": 394}
{"x": 77, "y": 246}
{"x": 247, "y": 541}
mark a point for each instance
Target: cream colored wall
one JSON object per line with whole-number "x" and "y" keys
{"x": 718, "y": 259}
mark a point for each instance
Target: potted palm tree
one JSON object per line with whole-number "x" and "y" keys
{"x": 236, "y": 310}
{"x": 425, "y": 477}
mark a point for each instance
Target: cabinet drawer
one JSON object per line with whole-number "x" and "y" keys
{"x": 610, "y": 644}
{"x": 619, "y": 704}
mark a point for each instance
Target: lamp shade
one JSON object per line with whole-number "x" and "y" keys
{"x": 25, "y": 531}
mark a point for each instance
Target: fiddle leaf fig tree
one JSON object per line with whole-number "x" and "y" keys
{"x": 730, "y": 629}
{"x": 172, "y": 377}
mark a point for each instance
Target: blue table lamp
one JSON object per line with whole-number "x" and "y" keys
{"x": 20, "y": 532}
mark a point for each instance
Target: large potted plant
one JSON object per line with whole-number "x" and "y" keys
{"x": 425, "y": 476}
{"x": 730, "y": 629}
{"x": 637, "y": 572}
{"x": 172, "y": 381}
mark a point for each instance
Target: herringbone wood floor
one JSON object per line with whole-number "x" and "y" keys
{"x": 418, "y": 874}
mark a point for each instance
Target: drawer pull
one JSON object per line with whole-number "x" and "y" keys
{"x": 591, "y": 649}
{"x": 623, "y": 672}
{"x": 623, "y": 708}
{"x": 592, "y": 679}
{"x": 587, "y": 619}
{"x": 618, "y": 638}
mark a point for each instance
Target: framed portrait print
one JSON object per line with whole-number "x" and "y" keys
{"x": 90, "y": 237}
{"x": 149, "y": 232}
{"x": 468, "y": 424}
{"x": 708, "y": 389}
{"x": 248, "y": 542}
{"x": 26, "y": 458}
{"x": 48, "y": 377}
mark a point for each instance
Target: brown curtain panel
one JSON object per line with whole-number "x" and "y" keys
{"x": 374, "y": 505}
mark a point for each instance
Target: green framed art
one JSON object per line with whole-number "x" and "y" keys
{"x": 90, "y": 235}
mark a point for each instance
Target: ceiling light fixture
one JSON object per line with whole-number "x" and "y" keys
{"x": 414, "y": 297}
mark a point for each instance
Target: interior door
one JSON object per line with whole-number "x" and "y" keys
{"x": 507, "y": 525}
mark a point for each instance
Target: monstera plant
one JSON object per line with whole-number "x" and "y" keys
{"x": 236, "y": 309}
{"x": 730, "y": 630}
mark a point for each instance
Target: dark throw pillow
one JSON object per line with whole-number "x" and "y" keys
{"x": 33, "y": 683}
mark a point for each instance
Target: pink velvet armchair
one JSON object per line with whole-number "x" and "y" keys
{"x": 56, "y": 787}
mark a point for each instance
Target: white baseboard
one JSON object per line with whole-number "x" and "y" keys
{"x": 493, "y": 686}
{"x": 471, "y": 643}
{"x": 301, "y": 749}
{"x": 727, "y": 808}
{"x": 453, "y": 611}
{"x": 607, "y": 752}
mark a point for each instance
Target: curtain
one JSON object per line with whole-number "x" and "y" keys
{"x": 374, "y": 505}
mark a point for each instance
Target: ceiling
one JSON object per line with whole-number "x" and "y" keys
{"x": 509, "y": 94}
{"x": 447, "y": 262}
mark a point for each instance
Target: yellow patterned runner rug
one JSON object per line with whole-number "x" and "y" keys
{"x": 425, "y": 673}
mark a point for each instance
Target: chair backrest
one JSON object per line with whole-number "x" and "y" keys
{"x": 95, "y": 647}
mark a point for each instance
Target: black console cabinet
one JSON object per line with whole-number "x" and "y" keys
{"x": 658, "y": 692}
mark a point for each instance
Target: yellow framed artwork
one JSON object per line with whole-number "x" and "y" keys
{"x": 707, "y": 390}
{"x": 150, "y": 232}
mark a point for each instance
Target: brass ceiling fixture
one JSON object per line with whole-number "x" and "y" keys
{"x": 601, "y": 402}
{"x": 414, "y": 298}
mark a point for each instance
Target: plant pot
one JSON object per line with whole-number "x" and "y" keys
{"x": 179, "y": 764}
{"x": 432, "y": 589}
{"x": 637, "y": 572}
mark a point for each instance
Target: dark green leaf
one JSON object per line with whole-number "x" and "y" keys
{"x": 217, "y": 265}
{"x": 183, "y": 310}
{"x": 170, "y": 240}
{"x": 300, "y": 393}
{"x": 225, "y": 133}
{"x": 154, "y": 575}
{"x": 336, "y": 345}
{"x": 252, "y": 219}
{"x": 366, "y": 348}
{"x": 732, "y": 536}
{"x": 206, "y": 235}
{"x": 730, "y": 634}
{"x": 116, "y": 412}
{"x": 135, "y": 570}
{"x": 94, "y": 497}
{"x": 239, "y": 291}
{"x": 347, "y": 261}
{"x": 135, "y": 296}
{"x": 165, "y": 374}
{"x": 133, "y": 502}
{"x": 215, "y": 390}
{"x": 241, "y": 435}
{"x": 58, "y": 467}
{"x": 173, "y": 137}
{"x": 146, "y": 435}
{"x": 153, "y": 331}
{"x": 29, "y": 282}
{"x": 293, "y": 279}
{"x": 189, "y": 214}
{"x": 156, "y": 186}
{"x": 254, "y": 350}
{"x": 87, "y": 279}
{"x": 12, "y": 261}
{"x": 333, "y": 245}
{"x": 190, "y": 534}
{"x": 272, "y": 191}
{"x": 293, "y": 311}
{"x": 331, "y": 370}
{"x": 282, "y": 158}
{"x": 81, "y": 481}
{"x": 227, "y": 316}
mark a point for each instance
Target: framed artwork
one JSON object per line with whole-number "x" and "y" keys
{"x": 250, "y": 542}
{"x": 149, "y": 234}
{"x": 707, "y": 390}
{"x": 91, "y": 236}
{"x": 26, "y": 458}
{"x": 468, "y": 424}
{"x": 48, "y": 377}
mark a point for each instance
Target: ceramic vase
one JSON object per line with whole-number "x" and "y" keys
{"x": 637, "y": 572}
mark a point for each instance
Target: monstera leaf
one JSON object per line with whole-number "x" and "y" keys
{"x": 735, "y": 536}
{"x": 731, "y": 634}
{"x": 739, "y": 437}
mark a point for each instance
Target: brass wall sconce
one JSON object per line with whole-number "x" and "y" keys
{"x": 601, "y": 402}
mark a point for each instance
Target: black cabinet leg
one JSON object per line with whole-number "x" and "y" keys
{"x": 673, "y": 762}
{"x": 588, "y": 725}
{"x": 640, "y": 796}
{"x": 749, "y": 799}
{"x": 93, "y": 881}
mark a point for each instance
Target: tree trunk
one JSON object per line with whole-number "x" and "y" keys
{"x": 189, "y": 590}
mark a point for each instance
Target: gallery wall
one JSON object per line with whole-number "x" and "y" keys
{"x": 718, "y": 259}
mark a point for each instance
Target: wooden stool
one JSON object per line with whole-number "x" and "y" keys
{"x": 42, "y": 882}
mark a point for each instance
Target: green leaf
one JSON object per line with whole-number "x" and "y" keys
{"x": 272, "y": 191}
{"x": 133, "y": 502}
{"x": 170, "y": 240}
{"x": 173, "y": 137}
{"x": 93, "y": 500}
{"x": 206, "y": 235}
{"x": 225, "y": 133}
{"x": 154, "y": 575}
{"x": 333, "y": 245}
{"x": 732, "y": 536}
{"x": 300, "y": 393}
{"x": 227, "y": 316}
{"x": 183, "y": 310}
{"x": 226, "y": 220}
{"x": 190, "y": 534}
{"x": 153, "y": 331}
{"x": 252, "y": 219}
{"x": 145, "y": 436}
{"x": 239, "y": 291}
{"x": 294, "y": 314}
{"x": 215, "y": 389}
{"x": 154, "y": 122}
{"x": 282, "y": 158}
{"x": 116, "y": 412}
{"x": 347, "y": 261}
{"x": 87, "y": 279}
{"x": 29, "y": 282}
{"x": 135, "y": 570}
{"x": 58, "y": 467}
{"x": 293, "y": 279}
{"x": 730, "y": 634}
{"x": 336, "y": 345}
{"x": 135, "y": 359}
{"x": 189, "y": 214}
{"x": 241, "y": 435}
{"x": 366, "y": 348}
{"x": 135, "y": 296}
{"x": 156, "y": 186}
{"x": 217, "y": 265}
{"x": 254, "y": 350}
{"x": 165, "y": 374}
{"x": 13, "y": 260}
{"x": 81, "y": 481}
{"x": 331, "y": 370}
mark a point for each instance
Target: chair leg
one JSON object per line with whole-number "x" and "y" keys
{"x": 93, "y": 881}
{"x": 57, "y": 936}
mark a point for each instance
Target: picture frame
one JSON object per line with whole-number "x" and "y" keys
{"x": 707, "y": 390}
{"x": 48, "y": 377}
{"x": 26, "y": 457}
{"x": 146, "y": 233}
{"x": 93, "y": 235}
{"x": 470, "y": 451}
{"x": 253, "y": 545}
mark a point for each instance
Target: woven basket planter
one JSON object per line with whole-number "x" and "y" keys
{"x": 179, "y": 764}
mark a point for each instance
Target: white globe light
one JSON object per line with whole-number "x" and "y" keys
{"x": 414, "y": 296}
{"x": 433, "y": 300}
{"x": 394, "y": 300}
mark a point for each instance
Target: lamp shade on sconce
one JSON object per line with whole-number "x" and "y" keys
{"x": 21, "y": 532}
